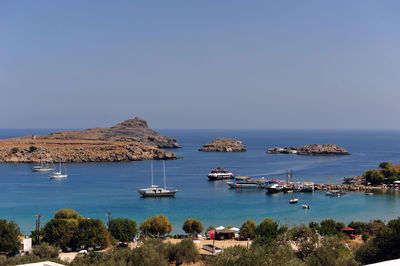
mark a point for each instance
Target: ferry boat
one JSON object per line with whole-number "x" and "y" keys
{"x": 219, "y": 174}
{"x": 247, "y": 182}
{"x": 274, "y": 186}
{"x": 155, "y": 191}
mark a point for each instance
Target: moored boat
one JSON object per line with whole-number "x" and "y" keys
{"x": 247, "y": 182}
{"x": 335, "y": 193}
{"x": 305, "y": 206}
{"x": 293, "y": 201}
{"x": 220, "y": 174}
{"x": 274, "y": 186}
{"x": 59, "y": 174}
{"x": 155, "y": 191}
{"x": 42, "y": 167}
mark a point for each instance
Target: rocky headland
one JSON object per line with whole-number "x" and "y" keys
{"x": 131, "y": 140}
{"x": 313, "y": 149}
{"x": 224, "y": 145}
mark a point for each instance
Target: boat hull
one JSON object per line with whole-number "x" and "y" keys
{"x": 219, "y": 177}
{"x": 157, "y": 195}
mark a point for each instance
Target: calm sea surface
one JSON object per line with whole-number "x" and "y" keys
{"x": 93, "y": 189}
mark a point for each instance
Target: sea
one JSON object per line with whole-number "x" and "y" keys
{"x": 94, "y": 189}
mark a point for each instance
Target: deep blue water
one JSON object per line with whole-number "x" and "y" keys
{"x": 93, "y": 189}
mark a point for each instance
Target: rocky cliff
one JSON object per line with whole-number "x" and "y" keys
{"x": 132, "y": 130}
{"x": 313, "y": 149}
{"x": 224, "y": 145}
{"x": 131, "y": 140}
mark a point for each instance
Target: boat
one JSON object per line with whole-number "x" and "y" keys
{"x": 274, "y": 186}
{"x": 335, "y": 193}
{"x": 247, "y": 182}
{"x": 219, "y": 174}
{"x": 154, "y": 191}
{"x": 308, "y": 187}
{"x": 293, "y": 201}
{"x": 43, "y": 167}
{"x": 369, "y": 193}
{"x": 305, "y": 206}
{"x": 59, "y": 174}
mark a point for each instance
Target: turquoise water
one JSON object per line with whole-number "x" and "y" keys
{"x": 93, "y": 189}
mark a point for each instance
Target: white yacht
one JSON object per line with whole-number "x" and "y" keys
{"x": 43, "y": 167}
{"x": 219, "y": 174}
{"x": 156, "y": 191}
{"x": 59, "y": 174}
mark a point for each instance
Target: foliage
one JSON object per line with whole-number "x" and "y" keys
{"x": 388, "y": 170}
{"x": 267, "y": 231}
{"x": 156, "y": 226}
{"x": 45, "y": 251}
{"x": 314, "y": 226}
{"x": 364, "y": 237}
{"x": 374, "y": 176}
{"x": 305, "y": 239}
{"x": 66, "y": 214}
{"x": 9, "y": 236}
{"x": 192, "y": 226}
{"x": 247, "y": 230}
{"x": 359, "y": 227}
{"x": 373, "y": 227}
{"x": 211, "y": 227}
{"x": 14, "y": 150}
{"x": 32, "y": 148}
{"x": 330, "y": 227}
{"x": 184, "y": 252}
{"x": 25, "y": 260}
{"x": 91, "y": 232}
{"x": 123, "y": 229}
{"x": 239, "y": 255}
{"x": 60, "y": 232}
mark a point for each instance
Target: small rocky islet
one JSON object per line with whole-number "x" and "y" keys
{"x": 131, "y": 140}
{"x": 224, "y": 145}
{"x": 313, "y": 149}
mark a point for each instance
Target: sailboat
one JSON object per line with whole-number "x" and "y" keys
{"x": 43, "y": 167}
{"x": 59, "y": 174}
{"x": 156, "y": 191}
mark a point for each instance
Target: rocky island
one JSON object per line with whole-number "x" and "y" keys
{"x": 224, "y": 145}
{"x": 131, "y": 140}
{"x": 313, "y": 149}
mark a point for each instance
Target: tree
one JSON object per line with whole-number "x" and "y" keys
{"x": 374, "y": 176}
{"x": 359, "y": 227}
{"x": 267, "y": 231}
{"x": 305, "y": 239}
{"x": 123, "y": 229}
{"x": 91, "y": 232}
{"x": 32, "y": 148}
{"x": 14, "y": 150}
{"x": 329, "y": 227}
{"x": 45, "y": 251}
{"x": 60, "y": 232}
{"x": 66, "y": 214}
{"x": 247, "y": 230}
{"x": 156, "y": 226}
{"x": 153, "y": 252}
{"x": 192, "y": 226}
{"x": 184, "y": 252}
{"x": 9, "y": 237}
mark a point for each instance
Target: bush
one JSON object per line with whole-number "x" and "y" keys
{"x": 364, "y": 237}
{"x": 330, "y": 227}
{"x": 184, "y": 252}
{"x": 305, "y": 238}
{"x": 156, "y": 226}
{"x": 247, "y": 230}
{"x": 32, "y": 148}
{"x": 374, "y": 176}
{"x": 359, "y": 227}
{"x": 90, "y": 232}
{"x": 14, "y": 150}
{"x": 9, "y": 237}
{"x": 66, "y": 214}
{"x": 192, "y": 226}
{"x": 123, "y": 229}
{"x": 45, "y": 251}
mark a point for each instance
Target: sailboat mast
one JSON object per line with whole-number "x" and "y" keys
{"x": 165, "y": 184}
{"x": 59, "y": 151}
{"x": 151, "y": 163}
{"x": 41, "y": 155}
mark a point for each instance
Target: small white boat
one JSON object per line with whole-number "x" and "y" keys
{"x": 369, "y": 193}
{"x": 305, "y": 206}
{"x": 293, "y": 201}
{"x": 59, "y": 174}
{"x": 43, "y": 167}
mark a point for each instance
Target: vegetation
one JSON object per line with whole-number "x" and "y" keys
{"x": 184, "y": 252}
{"x": 156, "y": 226}
{"x": 44, "y": 251}
{"x": 328, "y": 227}
{"x": 248, "y": 229}
{"x": 192, "y": 226}
{"x": 267, "y": 231}
{"x": 14, "y": 150}
{"x": 32, "y": 148}
{"x": 9, "y": 237}
{"x": 386, "y": 174}
{"x": 123, "y": 229}
{"x": 90, "y": 233}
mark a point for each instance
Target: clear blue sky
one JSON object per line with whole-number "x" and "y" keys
{"x": 200, "y": 64}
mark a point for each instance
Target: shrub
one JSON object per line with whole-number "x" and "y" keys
{"x": 14, "y": 150}
{"x": 45, "y": 251}
{"x": 123, "y": 229}
{"x": 9, "y": 236}
{"x": 66, "y": 214}
{"x": 32, "y": 148}
{"x": 364, "y": 237}
{"x": 156, "y": 226}
{"x": 192, "y": 226}
{"x": 247, "y": 230}
{"x": 184, "y": 252}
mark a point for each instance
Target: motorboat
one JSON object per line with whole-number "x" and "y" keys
{"x": 220, "y": 174}
{"x": 335, "y": 193}
{"x": 308, "y": 187}
{"x": 304, "y": 206}
{"x": 274, "y": 186}
{"x": 154, "y": 191}
{"x": 247, "y": 182}
{"x": 293, "y": 201}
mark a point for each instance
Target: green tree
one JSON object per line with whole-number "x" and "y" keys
{"x": 123, "y": 229}
{"x": 184, "y": 252}
{"x": 374, "y": 176}
{"x": 14, "y": 150}
{"x": 192, "y": 226}
{"x": 330, "y": 227}
{"x": 247, "y": 230}
{"x": 45, "y": 251}
{"x": 359, "y": 227}
{"x": 156, "y": 226}
{"x": 66, "y": 214}
{"x": 267, "y": 231}
{"x": 32, "y": 148}
{"x": 91, "y": 232}
{"x": 305, "y": 239}
{"x": 9, "y": 236}
{"x": 60, "y": 232}
{"x": 153, "y": 252}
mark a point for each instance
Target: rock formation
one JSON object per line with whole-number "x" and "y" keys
{"x": 131, "y": 140}
{"x": 132, "y": 130}
{"x": 313, "y": 149}
{"x": 224, "y": 145}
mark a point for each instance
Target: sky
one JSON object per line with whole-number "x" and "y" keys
{"x": 200, "y": 64}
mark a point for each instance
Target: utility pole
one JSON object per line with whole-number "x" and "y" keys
{"x": 38, "y": 227}
{"x": 108, "y": 214}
